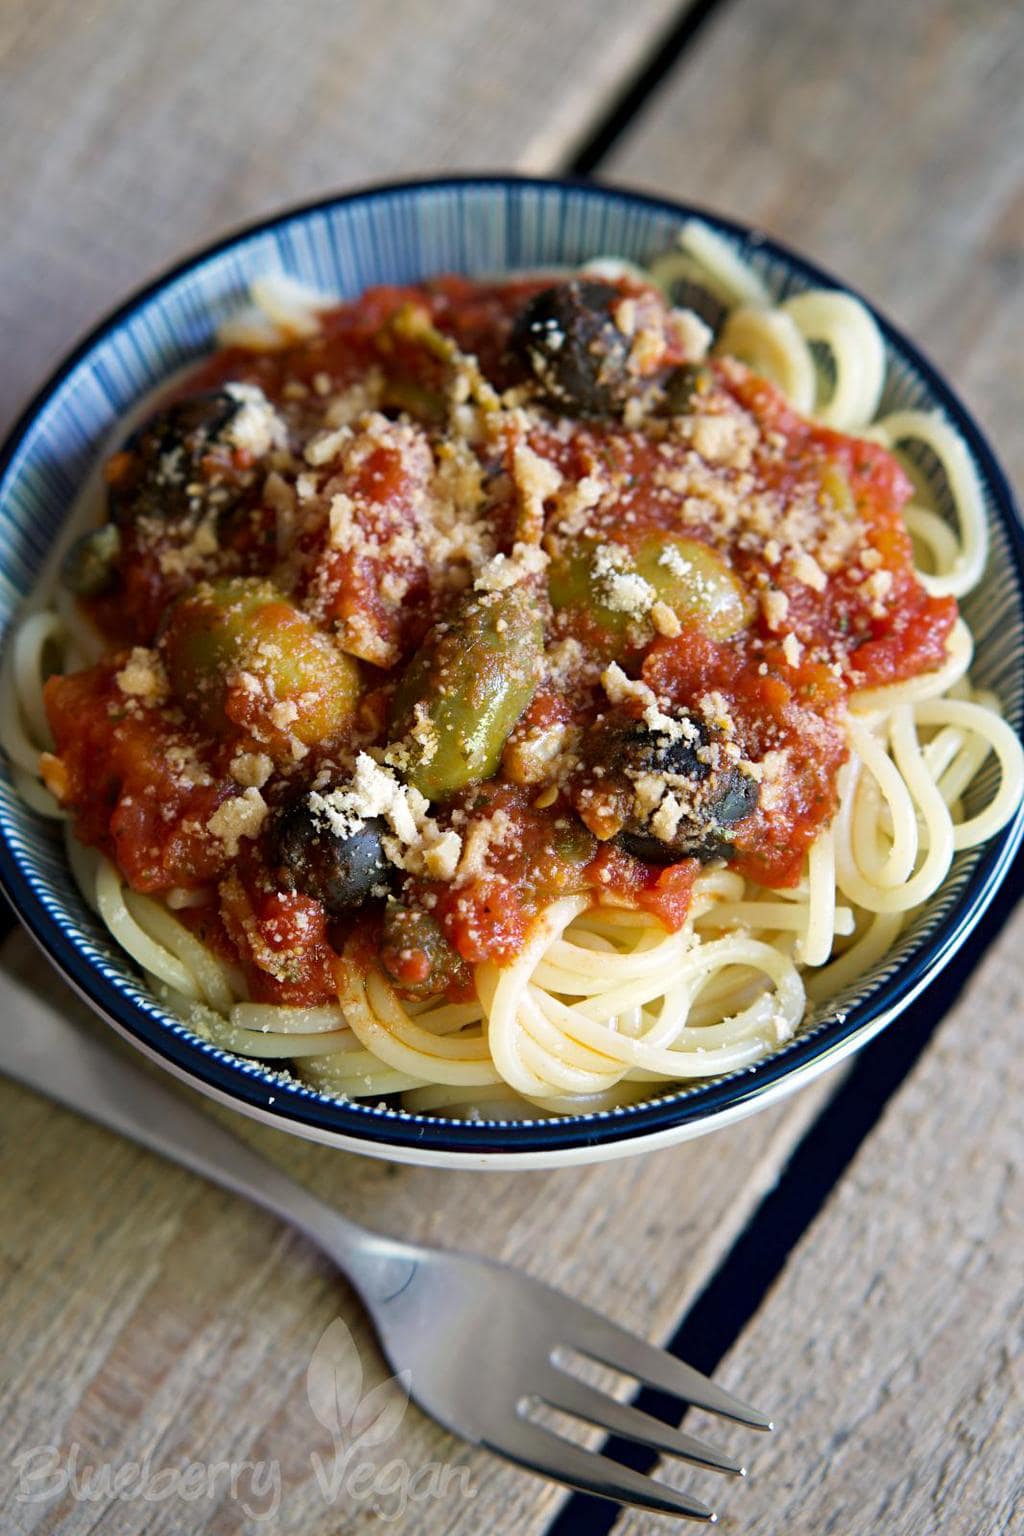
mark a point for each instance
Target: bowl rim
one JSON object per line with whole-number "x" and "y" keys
{"x": 576, "y": 1138}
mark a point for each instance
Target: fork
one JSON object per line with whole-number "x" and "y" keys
{"x": 485, "y": 1344}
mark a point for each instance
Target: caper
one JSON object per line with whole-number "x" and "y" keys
{"x": 237, "y": 653}
{"x": 340, "y": 869}
{"x": 466, "y": 687}
{"x": 573, "y": 842}
{"x": 684, "y": 574}
{"x": 416, "y": 954}
{"x": 569, "y": 342}
{"x": 89, "y": 567}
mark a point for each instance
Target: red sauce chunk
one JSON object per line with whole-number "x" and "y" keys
{"x": 481, "y": 596}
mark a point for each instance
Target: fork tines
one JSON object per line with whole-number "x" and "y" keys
{"x": 542, "y": 1449}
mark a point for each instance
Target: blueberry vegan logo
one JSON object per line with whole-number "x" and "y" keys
{"x": 359, "y": 1471}
{"x": 360, "y": 1426}
{"x": 334, "y": 1385}
{"x": 48, "y": 1473}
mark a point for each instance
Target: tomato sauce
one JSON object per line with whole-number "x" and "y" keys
{"x": 348, "y": 507}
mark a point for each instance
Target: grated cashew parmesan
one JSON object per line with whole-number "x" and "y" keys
{"x": 143, "y": 676}
{"x": 257, "y": 427}
{"x": 241, "y": 816}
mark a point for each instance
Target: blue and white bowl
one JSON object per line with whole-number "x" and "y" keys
{"x": 399, "y": 234}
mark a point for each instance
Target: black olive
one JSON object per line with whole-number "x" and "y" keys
{"x": 90, "y": 565}
{"x": 568, "y": 341}
{"x": 710, "y": 844}
{"x": 342, "y": 871}
{"x": 685, "y": 388}
{"x": 737, "y": 799}
{"x": 159, "y": 465}
{"x": 714, "y": 798}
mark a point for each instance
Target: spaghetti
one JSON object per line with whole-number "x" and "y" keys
{"x": 513, "y": 697}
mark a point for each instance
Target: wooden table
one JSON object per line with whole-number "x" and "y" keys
{"x": 853, "y": 1257}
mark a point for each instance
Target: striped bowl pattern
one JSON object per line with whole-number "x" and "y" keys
{"x": 398, "y": 234}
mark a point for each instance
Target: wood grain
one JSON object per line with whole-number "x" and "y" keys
{"x": 145, "y": 1311}
{"x": 132, "y": 133}
{"x": 147, "y": 1314}
{"x": 884, "y": 140}
{"x": 891, "y": 1349}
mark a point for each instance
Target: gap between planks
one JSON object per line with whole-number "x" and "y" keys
{"x": 679, "y": 169}
{"x": 896, "y": 1404}
{"x": 139, "y": 1300}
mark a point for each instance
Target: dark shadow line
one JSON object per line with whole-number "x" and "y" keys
{"x": 733, "y": 1294}
{"x": 634, "y": 94}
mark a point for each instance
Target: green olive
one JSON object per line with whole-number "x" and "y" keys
{"x": 237, "y": 652}
{"x": 466, "y": 687}
{"x": 684, "y": 574}
{"x": 415, "y": 399}
{"x": 89, "y": 567}
{"x": 836, "y": 485}
{"x": 686, "y": 387}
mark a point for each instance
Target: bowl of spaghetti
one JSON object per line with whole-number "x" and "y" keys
{"x": 503, "y": 672}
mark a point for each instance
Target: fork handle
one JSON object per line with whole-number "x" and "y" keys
{"x": 56, "y": 1057}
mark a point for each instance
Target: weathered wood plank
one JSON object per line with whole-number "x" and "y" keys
{"x": 142, "y": 1309}
{"x": 145, "y": 1310}
{"x": 133, "y": 134}
{"x": 145, "y": 1314}
{"x": 883, "y": 141}
{"x": 890, "y": 1349}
